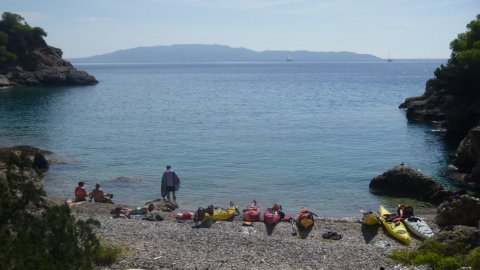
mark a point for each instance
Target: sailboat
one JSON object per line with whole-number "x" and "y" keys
{"x": 289, "y": 57}
{"x": 389, "y": 59}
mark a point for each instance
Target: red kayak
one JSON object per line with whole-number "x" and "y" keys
{"x": 252, "y": 213}
{"x": 273, "y": 215}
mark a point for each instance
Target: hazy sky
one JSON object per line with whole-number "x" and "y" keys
{"x": 404, "y": 29}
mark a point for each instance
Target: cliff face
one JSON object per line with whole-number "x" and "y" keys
{"x": 439, "y": 107}
{"x": 46, "y": 67}
{"x": 467, "y": 159}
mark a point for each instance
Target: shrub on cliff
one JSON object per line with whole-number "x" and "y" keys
{"x": 460, "y": 75}
{"x": 17, "y": 40}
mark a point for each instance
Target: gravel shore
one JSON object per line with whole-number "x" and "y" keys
{"x": 171, "y": 245}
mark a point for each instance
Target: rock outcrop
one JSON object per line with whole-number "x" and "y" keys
{"x": 458, "y": 239}
{"x": 405, "y": 181}
{"x": 48, "y": 69}
{"x": 464, "y": 210}
{"x": 427, "y": 107}
{"x": 467, "y": 159}
{"x": 40, "y": 162}
{"x": 439, "y": 107}
{"x": 20, "y": 185}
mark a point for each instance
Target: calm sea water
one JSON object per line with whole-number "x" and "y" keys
{"x": 299, "y": 134}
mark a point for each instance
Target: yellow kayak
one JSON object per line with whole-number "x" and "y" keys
{"x": 394, "y": 228}
{"x": 220, "y": 214}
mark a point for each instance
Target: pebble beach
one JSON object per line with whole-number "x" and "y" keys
{"x": 170, "y": 244}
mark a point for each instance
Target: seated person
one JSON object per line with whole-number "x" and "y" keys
{"x": 80, "y": 193}
{"x": 98, "y": 196}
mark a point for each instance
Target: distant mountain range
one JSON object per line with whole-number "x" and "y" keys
{"x": 216, "y": 53}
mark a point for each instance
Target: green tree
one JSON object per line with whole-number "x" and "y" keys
{"x": 18, "y": 40}
{"x": 460, "y": 75}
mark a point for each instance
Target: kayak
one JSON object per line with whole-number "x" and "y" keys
{"x": 271, "y": 217}
{"x": 418, "y": 227}
{"x": 394, "y": 227}
{"x": 305, "y": 219}
{"x": 252, "y": 212}
{"x": 220, "y": 214}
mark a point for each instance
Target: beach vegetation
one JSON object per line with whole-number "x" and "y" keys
{"x": 36, "y": 235}
{"x": 437, "y": 255}
{"x": 107, "y": 254}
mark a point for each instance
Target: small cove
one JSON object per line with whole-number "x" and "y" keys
{"x": 299, "y": 134}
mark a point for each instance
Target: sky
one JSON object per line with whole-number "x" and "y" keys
{"x": 402, "y": 29}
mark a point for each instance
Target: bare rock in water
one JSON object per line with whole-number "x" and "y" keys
{"x": 403, "y": 180}
{"x": 122, "y": 179}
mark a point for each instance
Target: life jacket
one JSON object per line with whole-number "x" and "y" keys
{"x": 80, "y": 192}
{"x": 305, "y": 219}
{"x": 405, "y": 211}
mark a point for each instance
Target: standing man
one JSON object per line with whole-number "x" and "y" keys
{"x": 170, "y": 183}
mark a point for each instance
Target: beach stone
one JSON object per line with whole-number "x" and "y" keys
{"x": 464, "y": 210}
{"x": 403, "y": 180}
{"x": 5, "y": 82}
{"x": 40, "y": 162}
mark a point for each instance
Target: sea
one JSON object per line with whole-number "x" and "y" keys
{"x": 300, "y": 134}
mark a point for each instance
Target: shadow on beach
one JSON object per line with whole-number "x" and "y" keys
{"x": 369, "y": 232}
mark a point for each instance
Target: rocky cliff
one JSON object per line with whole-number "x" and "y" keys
{"x": 441, "y": 107}
{"x": 452, "y": 98}
{"x": 467, "y": 159}
{"x": 48, "y": 68}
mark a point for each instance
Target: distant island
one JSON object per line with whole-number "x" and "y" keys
{"x": 217, "y": 53}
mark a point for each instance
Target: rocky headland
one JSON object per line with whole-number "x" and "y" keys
{"x": 26, "y": 59}
{"x": 50, "y": 69}
{"x": 451, "y": 101}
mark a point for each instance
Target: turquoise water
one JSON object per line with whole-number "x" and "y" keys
{"x": 299, "y": 134}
